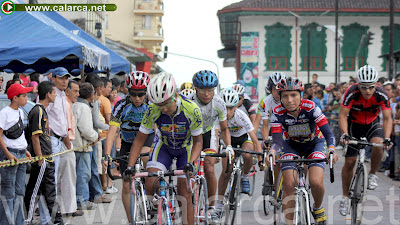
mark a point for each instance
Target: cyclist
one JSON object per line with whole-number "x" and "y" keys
{"x": 358, "y": 117}
{"x": 212, "y": 108}
{"x": 243, "y": 135}
{"x": 245, "y": 104}
{"x": 179, "y": 128}
{"x": 186, "y": 85}
{"x": 127, "y": 115}
{"x": 307, "y": 134}
{"x": 188, "y": 93}
{"x": 268, "y": 103}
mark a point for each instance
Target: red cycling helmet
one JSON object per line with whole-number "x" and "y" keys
{"x": 290, "y": 84}
{"x": 137, "y": 80}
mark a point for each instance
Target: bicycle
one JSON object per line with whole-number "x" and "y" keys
{"x": 359, "y": 182}
{"x": 268, "y": 187}
{"x": 232, "y": 196}
{"x": 138, "y": 206}
{"x": 200, "y": 192}
{"x": 302, "y": 210}
{"x": 167, "y": 210}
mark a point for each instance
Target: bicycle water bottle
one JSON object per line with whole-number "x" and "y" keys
{"x": 162, "y": 188}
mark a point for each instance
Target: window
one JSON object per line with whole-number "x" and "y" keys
{"x": 146, "y": 24}
{"x": 318, "y": 47}
{"x": 385, "y": 42}
{"x": 352, "y": 35}
{"x": 278, "y": 48}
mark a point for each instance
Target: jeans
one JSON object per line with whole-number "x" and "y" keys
{"x": 95, "y": 188}
{"x": 113, "y": 153}
{"x": 82, "y": 177}
{"x": 12, "y": 191}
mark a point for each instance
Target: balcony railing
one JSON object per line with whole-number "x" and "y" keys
{"x": 151, "y": 7}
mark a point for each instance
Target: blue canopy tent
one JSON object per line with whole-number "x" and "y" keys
{"x": 118, "y": 63}
{"x": 33, "y": 40}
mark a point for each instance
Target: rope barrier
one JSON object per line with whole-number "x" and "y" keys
{"x": 49, "y": 158}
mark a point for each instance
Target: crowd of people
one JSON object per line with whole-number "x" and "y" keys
{"x": 93, "y": 119}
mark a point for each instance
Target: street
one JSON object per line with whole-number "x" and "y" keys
{"x": 381, "y": 204}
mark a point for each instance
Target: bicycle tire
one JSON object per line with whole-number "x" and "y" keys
{"x": 267, "y": 191}
{"x": 358, "y": 197}
{"x": 301, "y": 215}
{"x": 200, "y": 202}
{"x": 230, "y": 202}
{"x": 163, "y": 213}
{"x": 279, "y": 216}
{"x": 139, "y": 213}
{"x": 253, "y": 180}
{"x": 174, "y": 208}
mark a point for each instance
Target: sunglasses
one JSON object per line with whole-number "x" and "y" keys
{"x": 367, "y": 87}
{"x": 165, "y": 106}
{"x": 206, "y": 91}
{"x": 140, "y": 94}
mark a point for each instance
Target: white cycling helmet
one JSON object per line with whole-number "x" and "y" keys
{"x": 273, "y": 79}
{"x": 230, "y": 97}
{"x": 367, "y": 75}
{"x": 239, "y": 89}
{"x": 161, "y": 88}
{"x": 188, "y": 93}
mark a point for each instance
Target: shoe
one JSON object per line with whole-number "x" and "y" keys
{"x": 214, "y": 216}
{"x": 367, "y": 160}
{"x": 74, "y": 214}
{"x": 103, "y": 199}
{"x": 88, "y": 206}
{"x": 396, "y": 178}
{"x": 372, "y": 181}
{"x": 344, "y": 206}
{"x": 245, "y": 185}
{"x": 381, "y": 170}
{"x": 319, "y": 216}
{"x": 111, "y": 190}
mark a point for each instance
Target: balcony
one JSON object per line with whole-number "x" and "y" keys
{"x": 149, "y": 8}
{"x": 145, "y": 35}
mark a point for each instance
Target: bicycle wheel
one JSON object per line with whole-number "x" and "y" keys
{"x": 200, "y": 201}
{"x": 358, "y": 188}
{"x": 279, "y": 217}
{"x": 230, "y": 207}
{"x": 252, "y": 175}
{"x": 163, "y": 214}
{"x": 301, "y": 209}
{"x": 267, "y": 191}
{"x": 139, "y": 209}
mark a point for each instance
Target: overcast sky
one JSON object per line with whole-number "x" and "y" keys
{"x": 191, "y": 27}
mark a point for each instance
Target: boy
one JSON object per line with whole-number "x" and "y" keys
{"x": 38, "y": 128}
{"x": 13, "y": 145}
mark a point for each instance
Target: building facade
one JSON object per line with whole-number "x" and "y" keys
{"x": 265, "y": 36}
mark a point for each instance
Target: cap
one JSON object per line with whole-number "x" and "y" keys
{"x": 60, "y": 72}
{"x": 28, "y": 71}
{"x": 75, "y": 72}
{"x": 17, "y": 89}
{"x": 49, "y": 71}
{"x": 241, "y": 82}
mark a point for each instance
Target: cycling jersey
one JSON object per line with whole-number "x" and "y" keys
{"x": 365, "y": 111}
{"x": 127, "y": 116}
{"x": 247, "y": 107}
{"x": 211, "y": 111}
{"x": 306, "y": 128}
{"x": 266, "y": 106}
{"x": 239, "y": 124}
{"x": 174, "y": 131}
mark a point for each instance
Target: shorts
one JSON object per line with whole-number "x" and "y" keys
{"x": 313, "y": 150}
{"x": 210, "y": 141}
{"x": 358, "y": 131}
{"x": 238, "y": 142}
{"x": 162, "y": 156}
{"x": 126, "y": 149}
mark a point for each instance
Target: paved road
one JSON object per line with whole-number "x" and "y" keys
{"x": 382, "y": 205}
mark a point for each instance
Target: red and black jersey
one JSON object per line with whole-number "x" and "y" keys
{"x": 364, "y": 111}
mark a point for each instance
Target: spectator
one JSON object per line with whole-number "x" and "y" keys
{"x": 13, "y": 145}
{"x": 380, "y": 81}
{"x": 1, "y": 84}
{"x": 85, "y": 134}
{"x": 352, "y": 81}
{"x": 315, "y": 78}
{"x": 67, "y": 170}
{"x": 46, "y": 76}
{"x": 38, "y": 131}
{"x": 123, "y": 90}
{"x": 116, "y": 82}
{"x": 25, "y": 77}
{"x": 113, "y": 96}
{"x": 318, "y": 98}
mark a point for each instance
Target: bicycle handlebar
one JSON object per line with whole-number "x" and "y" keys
{"x": 124, "y": 158}
{"x": 364, "y": 143}
{"x": 301, "y": 160}
{"x": 246, "y": 151}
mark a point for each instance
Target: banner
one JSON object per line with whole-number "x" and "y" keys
{"x": 249, "y": 63}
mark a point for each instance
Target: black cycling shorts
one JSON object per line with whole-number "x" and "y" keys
{"x": 126, "y": 149}
{"x": 238, "y": 142}
{"x": 368, "y": 131}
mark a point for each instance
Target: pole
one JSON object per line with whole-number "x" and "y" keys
{"x": 391, "y": 34}
{"x": 308, "y": 54}
{"x": 206, "y": 60}
{"x": 358, "y": 52}
{"x": 336, "y": 40}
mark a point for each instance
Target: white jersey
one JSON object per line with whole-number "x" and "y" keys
{"x": 239, "y": 124}
{"x": 266, "y": 107}
{"x": 213, "y": 111}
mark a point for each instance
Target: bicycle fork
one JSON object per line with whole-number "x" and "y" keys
{"x": 300, "y": 192}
